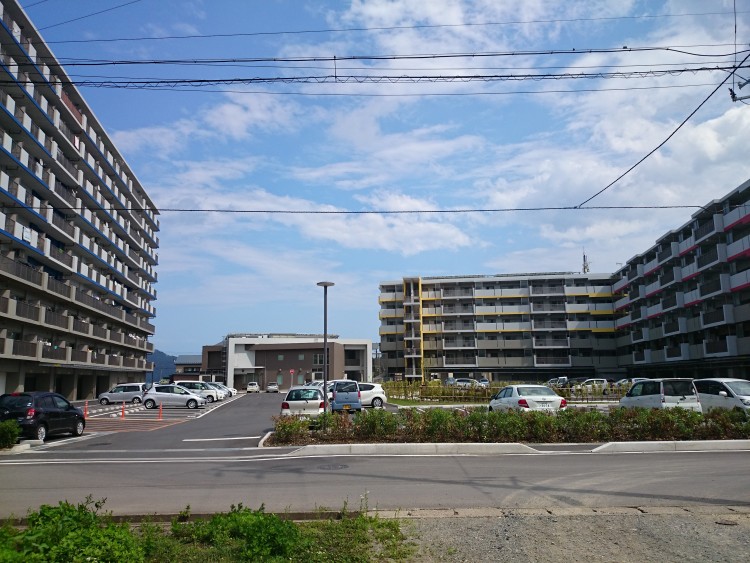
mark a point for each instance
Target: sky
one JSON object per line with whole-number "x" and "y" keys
{"x": 365, "y": 141}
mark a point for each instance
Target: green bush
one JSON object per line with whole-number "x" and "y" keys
{"x": 9, "y": 433}
{"x": 377, "y": 424}
{"x": 71, "y": 533}
{"x": 290, "y": 429}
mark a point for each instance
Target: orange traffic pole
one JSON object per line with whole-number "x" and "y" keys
{"x": 123, "y": 410}
{"x": 160, "y": 405}
{"x": 86, "y": 409}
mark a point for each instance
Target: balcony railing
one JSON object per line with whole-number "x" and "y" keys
{"x": 20, "y": 270}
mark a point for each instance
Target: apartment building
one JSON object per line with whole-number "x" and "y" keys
{"x": 503, "y": 327}
{"x": 683, "y": 306}
{"x": 285, "y": 359}
{"x": 77, "y": 233}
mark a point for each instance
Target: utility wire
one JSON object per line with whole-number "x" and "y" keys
{"x": 89, "y": 15}
{"x": 391, "y": 28}
{"x": 664, "y": 142}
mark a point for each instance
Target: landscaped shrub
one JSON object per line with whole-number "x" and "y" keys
{"x": 290, "y": 429}
{"x": 573, "y": 425}
{"x": 9, "y": 433}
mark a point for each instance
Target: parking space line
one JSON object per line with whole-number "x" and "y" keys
{"x": 221, "y": 439}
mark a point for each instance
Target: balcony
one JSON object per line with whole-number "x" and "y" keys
{"x": 548, "y": 307}
{"x": 623, "y": 322}
{"x": 551, "y": 361}
{"x": 503, "y": 327}
{"x": 456, "y": 344}
{"x": 739, "y": 248}
{"x": 667, "y": 253}
{"x": 714, "y": 287}
{"x": 677, "y": 353}
{"x": 720, "y": 316}
{"x": 726, "y": 346}
{"x": 686, "y": 245}
{"x": 675, "y": 326}
{"x": 620, "y": 284}
{"x": 653, "y": 311}
{"x": 551, "y": 342}
{"x": 736, "y": 217}
{"x": 642, "y": 357}
{"x": 464, "y": 361}
{"x": 713, "y": 225}
{"x": 590, "y": 308}
{"x": 548, "y": 325}
{"x": 597, "y": 326}
{"x": 739, "y": 281}
{"x": 640, "y": 335}
{"x": 676, "y": 299}
{"x": 391, "y": 329}
{"x": 622, "y": 302}
{"x": 713, "y": 256}
{"x": 637, "y": 313}
{"x": 650, "y": 266}
{"x": 547, "y": 290}
{"x": 670, "y": 275}
{"x": 652, "y": 288}
{"x": 692, "y": 297}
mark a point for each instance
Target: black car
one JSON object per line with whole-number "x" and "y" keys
{"x": 42, "y": 413}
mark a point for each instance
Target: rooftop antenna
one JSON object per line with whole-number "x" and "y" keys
{"x": 586, "y": 265}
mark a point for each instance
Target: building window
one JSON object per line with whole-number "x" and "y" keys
{"x": 280, "y": 357}
{"x": 300, "y": 357}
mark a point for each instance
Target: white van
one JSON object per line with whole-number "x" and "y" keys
{"x": 723, "y": 393}
{"x": 663, "y": 394}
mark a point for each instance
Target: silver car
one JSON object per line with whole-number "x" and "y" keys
{"x": 171, "y": 396}
{"x": 123, "y": 393}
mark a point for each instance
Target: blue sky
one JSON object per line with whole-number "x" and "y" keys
{"x": 391, "y": 145}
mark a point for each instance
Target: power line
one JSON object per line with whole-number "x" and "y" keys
{"x": 664, "y": 142}
{"x": 383, "y": 28}
{"x": 90, "y": 15}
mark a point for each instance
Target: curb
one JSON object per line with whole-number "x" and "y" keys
{"x": 673, "y": 446}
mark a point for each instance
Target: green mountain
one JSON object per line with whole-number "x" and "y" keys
{"x": 163, "y": 365}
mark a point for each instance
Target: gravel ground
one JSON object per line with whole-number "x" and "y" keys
{"x": 616, "y": 535}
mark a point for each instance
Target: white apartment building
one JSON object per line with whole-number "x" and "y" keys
{"x": 503, "y": 327}
{"x": 77, "y": 233}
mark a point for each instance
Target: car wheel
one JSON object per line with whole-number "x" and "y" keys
{"x": 192, "y": 404}
{"x": 209, "y": 399}
{"x": 377, "y": 402}
{"x": 489, "y": 409}
{"x": 136, "y": 400}
{"x": 103, "y": 401}
{"x": 150, "y": 404}
{"x": 41, "y": 432}
{"x": 78, "y": 430}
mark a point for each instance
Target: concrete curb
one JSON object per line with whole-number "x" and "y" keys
{"x": 411, "y": 449}
{"x": 673, "y": 446}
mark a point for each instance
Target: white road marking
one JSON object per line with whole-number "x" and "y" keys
{"x": 220, "y": 439}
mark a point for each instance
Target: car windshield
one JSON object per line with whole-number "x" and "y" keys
{"x": 739, "y": 387}
{"x": 535, "y": 392}
{"x": 676, "y": 388}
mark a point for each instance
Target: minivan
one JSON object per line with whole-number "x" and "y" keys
{"x": 345, "y": 395}
{"x": 663, "y": 394}
{"x": 723, "y": 393}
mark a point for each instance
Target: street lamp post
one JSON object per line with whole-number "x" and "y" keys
{"x": 325, "y": 285}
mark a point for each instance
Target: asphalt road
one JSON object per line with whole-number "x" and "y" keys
{"x": 211, "y": 462}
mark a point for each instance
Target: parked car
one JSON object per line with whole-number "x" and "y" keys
{"x": 527, "y": 397}
{"x": 450, "y": 381}
{"x": 222, "y": 391}
{"x": 663, "y": 394}
{"x": 123, "y": 393}
{"x": 230, "y": 391}
{"x": 41, "y": 414}
{"x": 200, "y": 388}
{"x": 484, "y": 382}
{"x": 628, "y": 381}
{"x": 172, "y": 395}
{"x": 253, "y": 387}
{"x": 723, "y": 393}
{"x": 272, "y": 387}
{"x": 372, "y": 395}
{"x": 557, "y": 382}
{"x": 304, "y": 401}
{"x": 592, "y": 384}
{"x": 466, "y": 383}
{"x": 345, "y": 395}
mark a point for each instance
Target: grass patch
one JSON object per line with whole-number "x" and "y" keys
{"x": 78, "y": 533}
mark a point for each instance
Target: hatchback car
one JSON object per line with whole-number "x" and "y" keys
{"x": 253, "y": 387}
{"x": 41, "y": 414}
{"x": 123, "y": 393}
{"x": 223, "y": 392}
{"x": 372, "y": 395}
{"x": 345, "y": 396}
{"x": 171, "y": 396}
{"x": 304, "y": 401}
{"x": 723, "y": 393}
{"x": 272, "y": 387}
{"x": 527, "y": 397}
{"x": 663, "y": 394}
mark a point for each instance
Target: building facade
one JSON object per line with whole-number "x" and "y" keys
{"x": 77, "y": 233}
{"x": 503, "y": 327}
{"x": 285, "y": 359}
{"x": 683, "y": 306}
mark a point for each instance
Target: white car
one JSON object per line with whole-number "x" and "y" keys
{"x": 223, "y": 392}
{"x": 372, "y": 395}
{"x": 201, "y": 388}
{"x": 527, "y": 397}
{"x": 171, "y": 396}
{"x": 253, "y": 387}
{"x": 663, "y": 394}
{"x": 723, "y": 393}
{"x": 304, "y": 401}
{"x": 467, "y": 383}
